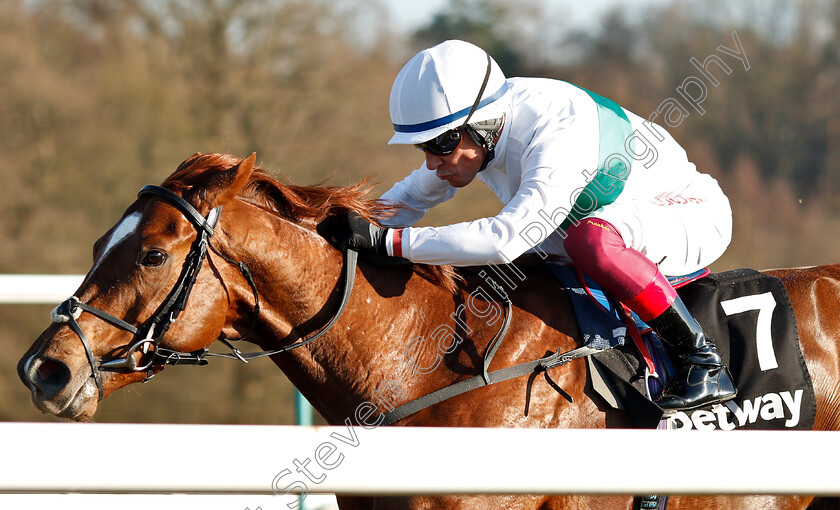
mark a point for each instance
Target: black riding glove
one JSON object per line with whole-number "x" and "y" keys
{"x": 360, "y": 234}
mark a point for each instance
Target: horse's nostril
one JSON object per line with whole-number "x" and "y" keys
{"x": 47, "y": 369}
{"x": 52, "y": 376}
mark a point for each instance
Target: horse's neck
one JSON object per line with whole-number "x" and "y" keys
{"x": 400, "y": 337}
{"x": 300, "y": 287}
{"x": 362, "y": 358}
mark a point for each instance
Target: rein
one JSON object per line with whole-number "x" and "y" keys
{"x": 151, "y": 335}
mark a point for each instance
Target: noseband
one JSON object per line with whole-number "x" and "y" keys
{"x": 148, "y": 337}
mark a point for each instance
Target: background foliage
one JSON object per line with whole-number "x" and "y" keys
{"x": 99, "y": 98}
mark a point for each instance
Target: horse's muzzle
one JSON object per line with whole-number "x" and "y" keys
{"x": 50, "y": 382}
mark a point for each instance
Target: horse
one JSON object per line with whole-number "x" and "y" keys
{"x": 271, "y": 276}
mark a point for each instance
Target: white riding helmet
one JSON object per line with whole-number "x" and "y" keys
{"x": 437, "y": 90}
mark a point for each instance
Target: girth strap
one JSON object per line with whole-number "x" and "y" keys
{"x": 488, "y": 377}
{"x": 553, "y": 360}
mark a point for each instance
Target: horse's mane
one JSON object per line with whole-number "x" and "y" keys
{"x": 296, "y": 203}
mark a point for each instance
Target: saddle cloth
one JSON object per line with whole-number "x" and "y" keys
{"x": 749, "y": 317}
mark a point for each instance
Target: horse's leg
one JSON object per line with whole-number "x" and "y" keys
{"x": 482, "y": 502}
{"x": 825, "y": 504}
{"x": 523, "y": 502}
{"x": 373, "y": 502}
{"x": 739, "y": 502}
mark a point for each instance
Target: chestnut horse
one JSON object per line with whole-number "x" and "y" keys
{"x": 405, "y": 331}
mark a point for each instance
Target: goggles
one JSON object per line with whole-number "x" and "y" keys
{"x": 442, "y": 144}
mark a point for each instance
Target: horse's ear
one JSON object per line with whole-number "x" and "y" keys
{"x": 231, "y": 182}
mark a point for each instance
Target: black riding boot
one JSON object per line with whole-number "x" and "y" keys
{"x": 703, "y": 379}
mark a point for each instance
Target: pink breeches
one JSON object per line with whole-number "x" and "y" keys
{"x": 596, "y": 247}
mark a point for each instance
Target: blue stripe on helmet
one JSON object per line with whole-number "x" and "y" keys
{"x": 423, "y": 126}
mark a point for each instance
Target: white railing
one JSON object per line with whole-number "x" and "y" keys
{"x": 259, "y": 461}
{"x": 33, "y": 289}
{"x": 262, "y": 460}
{"x": 37, "y": 288}
{"x": 159, "y": 502}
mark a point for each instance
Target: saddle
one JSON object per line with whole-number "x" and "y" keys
{"x": 749, "y": 317}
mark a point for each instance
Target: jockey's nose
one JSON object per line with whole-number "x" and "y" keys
{"x": 433, "y": 162}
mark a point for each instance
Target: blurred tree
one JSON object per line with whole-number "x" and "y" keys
{"x": 100, "y": 97}
{"x": 507, "y": 31}
{"x": 608, "y": 61}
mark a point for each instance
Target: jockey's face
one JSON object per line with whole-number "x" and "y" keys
{"x": 459, "y": 167}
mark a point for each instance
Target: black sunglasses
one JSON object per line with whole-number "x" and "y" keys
{"x": 442, "y": 144}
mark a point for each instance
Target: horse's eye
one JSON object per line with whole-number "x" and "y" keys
{"x": 153, "y": 258}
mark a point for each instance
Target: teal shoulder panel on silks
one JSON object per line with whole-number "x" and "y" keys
{"x": 614, "y": 162}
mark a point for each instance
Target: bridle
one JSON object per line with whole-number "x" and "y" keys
{"x": 148, "y": 337}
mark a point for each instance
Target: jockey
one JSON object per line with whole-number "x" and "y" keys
{"x": 581, "y": 178}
